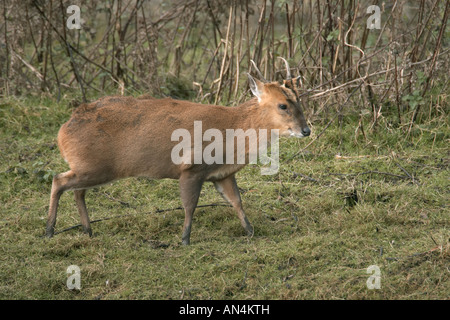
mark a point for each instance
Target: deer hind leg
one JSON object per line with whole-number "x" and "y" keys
{"x": 63, "y": 182}
{"x": 228, "y": 189}
{"x": 82, "y": 210}
{"x": 190, "y": 188}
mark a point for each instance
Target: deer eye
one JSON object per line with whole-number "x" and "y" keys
{"x": 282, "y": 106}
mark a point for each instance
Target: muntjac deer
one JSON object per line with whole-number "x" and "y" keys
{"x": 119, "y": 137}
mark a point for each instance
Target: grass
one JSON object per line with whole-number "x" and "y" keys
{"x": 319, "y": 223}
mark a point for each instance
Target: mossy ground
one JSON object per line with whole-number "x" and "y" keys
{"x": 319, "y": 223}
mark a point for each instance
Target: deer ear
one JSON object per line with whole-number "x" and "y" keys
{"x": 256, "y": 86}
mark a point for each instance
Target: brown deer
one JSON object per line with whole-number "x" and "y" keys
{"x": 118, "y": 137}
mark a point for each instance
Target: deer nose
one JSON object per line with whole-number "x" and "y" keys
{"x": 306, "y": 131}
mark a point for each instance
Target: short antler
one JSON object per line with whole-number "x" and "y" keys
{"x": 288, "y": 70}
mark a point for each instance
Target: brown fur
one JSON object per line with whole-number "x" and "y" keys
{"x": 118, "y": 137}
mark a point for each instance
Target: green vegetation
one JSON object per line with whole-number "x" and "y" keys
{"x": 370, "y": 186}
{"x": 319, "y": 223}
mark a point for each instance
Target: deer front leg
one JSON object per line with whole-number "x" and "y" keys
{"x": 190, "y": 187}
